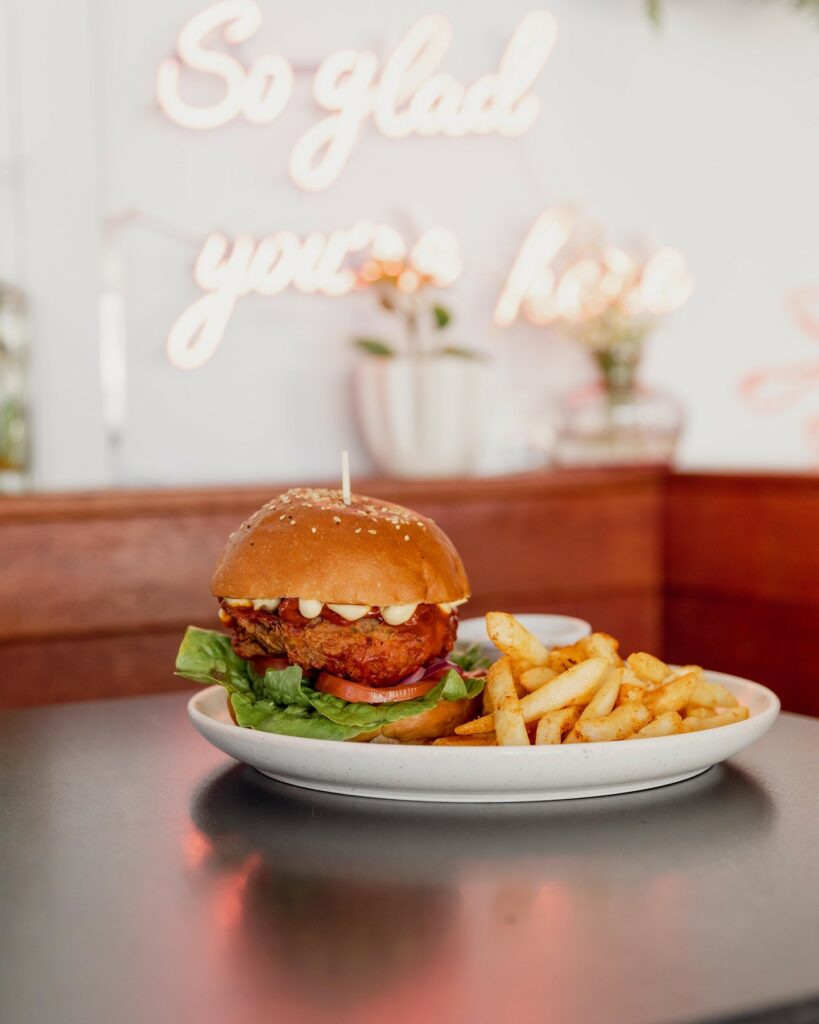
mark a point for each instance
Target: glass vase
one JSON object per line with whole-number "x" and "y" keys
{"x": 617, "y": 422}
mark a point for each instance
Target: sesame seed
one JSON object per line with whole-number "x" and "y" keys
{"x": 336, "y": 519}
{"x": 372, "y": 531}
{"x": 282, "y": 517}
{"x": 406, "y": 536}
{"x": 312, "y": 529}
{"x": 292, "y": 522}
{"x": 358, "y": 530}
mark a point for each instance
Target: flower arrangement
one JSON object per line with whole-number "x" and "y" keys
{"x": 611, "y": 299}
{"x": 419, "y": 397}
{"x": 405, "y": 285}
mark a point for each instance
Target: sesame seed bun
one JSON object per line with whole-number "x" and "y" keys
{"x": 307, "y": 543}
{"x": 441, "y": 720}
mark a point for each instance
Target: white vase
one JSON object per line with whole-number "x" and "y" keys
{"x": 422, "y": 416}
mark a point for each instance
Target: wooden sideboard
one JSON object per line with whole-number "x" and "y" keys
{"x": 96, "y": 589}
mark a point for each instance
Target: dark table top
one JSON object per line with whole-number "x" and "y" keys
{"x": 144, "y": 877}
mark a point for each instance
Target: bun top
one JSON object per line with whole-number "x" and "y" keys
{"x": 307, "y": 543}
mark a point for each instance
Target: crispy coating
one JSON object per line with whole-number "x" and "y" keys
{"x": 367, "y": 651}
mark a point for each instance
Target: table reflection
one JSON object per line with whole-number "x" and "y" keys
{"x": 348, "y": 899}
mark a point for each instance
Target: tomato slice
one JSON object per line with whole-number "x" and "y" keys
{"x": 358, "y": 693}
{"x": 263, "y": 664}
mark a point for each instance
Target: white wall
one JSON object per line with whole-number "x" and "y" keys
{"x": 702, "y": 135}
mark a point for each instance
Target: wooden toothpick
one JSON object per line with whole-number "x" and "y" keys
{"x": 345, "y": 478}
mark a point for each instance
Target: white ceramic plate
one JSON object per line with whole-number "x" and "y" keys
{"x": 485, "y": 774}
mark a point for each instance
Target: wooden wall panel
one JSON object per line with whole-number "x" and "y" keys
{"x": 775, "y": 644}
{"x": 755, "y": 536}
{"x": 742, "y": 579}
{"x": 95, "y": 590}
{"x": 84, "y": 668}
{"x": 108, "y": 575}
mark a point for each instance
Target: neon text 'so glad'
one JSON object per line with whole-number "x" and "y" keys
{"x": 406, "y": 95}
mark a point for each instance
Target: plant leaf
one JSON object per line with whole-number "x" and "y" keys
{"x": 461, "y": 353}
{"x": 442, "y": 317}
{"x": 374, "y": 347}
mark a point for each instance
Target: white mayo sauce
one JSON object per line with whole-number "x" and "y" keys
{"x": 393, "y": 614}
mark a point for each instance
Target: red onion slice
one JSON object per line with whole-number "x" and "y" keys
{"x": 413, "y": 677}
{"x": 425, "y": 671}
{"x": 437, "y": 665}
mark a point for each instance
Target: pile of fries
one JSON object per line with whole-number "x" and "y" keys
{"x": 587, "y": 693}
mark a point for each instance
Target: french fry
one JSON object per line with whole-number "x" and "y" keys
{"x": 631, "y": 677}
{"x": 514, "y": 639}
{"x": 694, "y": 711}
{"x": 486, "y": 701}
{"x": 585, "y": 692}
{"x": 728, "y": 717}
{"x": 486, "y": 739}
{"x": 596, "y": 645}
{"x": 666, "y": 724}
{"x": 673, "y": 696}
{"x": 533, "y": 678}
{"x": 520, "y": 689}
{"x": 619, "y": 725}
{"x": 683, "y": 670}
{"x": 630, "y": 693}
{"x": 510, "y": 727}
{"x": 576, "y": 685}
{"x": 562, "y": 658}
{"x": 484, "y": 724}
{"x": 611, "y": 641}
{"x": 601, "y": 704}
{"x": 712, "y": 695}
{"x": 554, "y": 724}
{"x": 649, "y": 668}
{"x": 600, "y": 645}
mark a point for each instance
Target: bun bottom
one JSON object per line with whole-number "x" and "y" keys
{"x": 429, "y": 725}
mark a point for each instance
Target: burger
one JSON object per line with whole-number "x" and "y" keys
{"x": 341, "y": 620}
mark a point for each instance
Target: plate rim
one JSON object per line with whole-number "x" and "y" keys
{"x": 768, "y": 712}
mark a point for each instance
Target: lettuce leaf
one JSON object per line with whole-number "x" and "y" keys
{"x": 470, "y": 659}
{"x": 282, "y": 687}
{"x": 293, "y": 720}
{"x": 367, "y": 717}
{"x": 282, "y": 701}
{"x": 206, "y": 656}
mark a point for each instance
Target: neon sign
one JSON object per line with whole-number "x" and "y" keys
{"x": 317, "y": 264}
{"x": 583, "y": 287}
{"x": 405, "y": 95}
{"x": 778, "y": 389}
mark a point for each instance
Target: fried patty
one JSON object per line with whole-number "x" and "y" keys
{"x": 367, "y": 651}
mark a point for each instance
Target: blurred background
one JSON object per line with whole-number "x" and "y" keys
{"x": 550, "y": 275}
{"x": 132, "y": 135}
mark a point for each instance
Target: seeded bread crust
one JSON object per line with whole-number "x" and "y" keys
{"x": 307, "y": 543}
